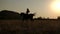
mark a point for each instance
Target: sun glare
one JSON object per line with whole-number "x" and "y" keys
{"x": 55, "y": 6}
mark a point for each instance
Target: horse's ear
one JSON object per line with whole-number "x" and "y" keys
{"x": 34, "y": 14}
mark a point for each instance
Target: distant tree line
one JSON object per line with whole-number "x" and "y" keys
{"x": 7, "y": 14}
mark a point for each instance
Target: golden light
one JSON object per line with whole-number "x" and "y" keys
{"x": 55, "y": 6}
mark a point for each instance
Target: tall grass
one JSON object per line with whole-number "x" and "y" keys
{"x": 30, "y": 27}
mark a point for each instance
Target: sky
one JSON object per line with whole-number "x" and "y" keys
{"x": 39, "y": 7}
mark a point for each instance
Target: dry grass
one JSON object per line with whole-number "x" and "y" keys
{"x": 30, "y": 27}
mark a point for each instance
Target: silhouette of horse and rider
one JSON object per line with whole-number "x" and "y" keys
{"x": 6, "y": 14}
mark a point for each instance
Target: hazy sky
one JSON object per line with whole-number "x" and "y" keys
{"x": 40, "y": 7}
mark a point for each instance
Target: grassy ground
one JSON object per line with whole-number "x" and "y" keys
{"x": 30, "y": 27}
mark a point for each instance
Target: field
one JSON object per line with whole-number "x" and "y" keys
{"x": 48, "y": 26}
